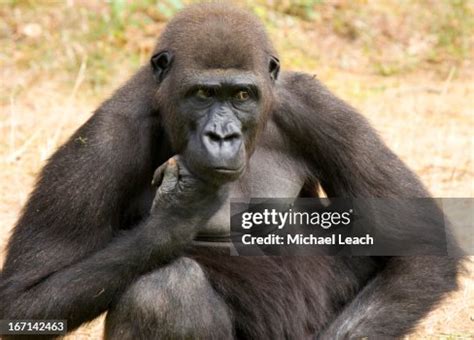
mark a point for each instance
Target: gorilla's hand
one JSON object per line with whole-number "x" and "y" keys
{"x": 183, "y": 192}
{"x": 183, "y": 203}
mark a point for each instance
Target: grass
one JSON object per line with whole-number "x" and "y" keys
{"x": 407, "y": 65}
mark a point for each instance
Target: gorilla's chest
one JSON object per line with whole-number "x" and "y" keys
{"x": 271, "y": 173}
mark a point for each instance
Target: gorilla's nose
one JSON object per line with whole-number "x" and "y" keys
{"x": 223, "y": 140}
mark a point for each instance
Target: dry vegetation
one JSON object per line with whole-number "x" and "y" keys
{"x": 407, "y": 65}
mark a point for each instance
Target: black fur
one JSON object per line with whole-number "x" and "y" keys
{"x": 89, "y": 239}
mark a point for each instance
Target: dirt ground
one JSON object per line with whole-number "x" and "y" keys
{"x": 427, "y": 119}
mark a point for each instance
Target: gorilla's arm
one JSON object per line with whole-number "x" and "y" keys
{"x": 347, "y": 157}
{"x": 51, "y": 270}
{"x": 345, "y": 154}
{"x": 66, "y": 257}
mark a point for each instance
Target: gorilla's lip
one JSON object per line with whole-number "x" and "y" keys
{"x": 227, "y": 170}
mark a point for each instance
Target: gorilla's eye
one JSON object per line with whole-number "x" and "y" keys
{"x": 204, "y": 93}
{"x": 242, "y": 95}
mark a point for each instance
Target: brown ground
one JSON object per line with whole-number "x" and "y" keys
{"x": 425, "y": 115}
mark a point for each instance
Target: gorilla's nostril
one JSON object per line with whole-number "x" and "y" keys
{"x": 214, "y": 137}
{"x": 232, "y": 136}
{"x": 218, "y": 138}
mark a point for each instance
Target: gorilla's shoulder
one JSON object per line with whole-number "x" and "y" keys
{"x": 300, "y": 83}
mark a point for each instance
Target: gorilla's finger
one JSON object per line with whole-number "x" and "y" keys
{"x": 170, "y": 176}
{"x": 171, "y": 170}
{"x": 161, "y": 170}
{"x": 158, "y": 175}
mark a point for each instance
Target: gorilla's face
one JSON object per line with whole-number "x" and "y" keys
{"x": 212, "y": 116}
{"x": 221, "y": 113}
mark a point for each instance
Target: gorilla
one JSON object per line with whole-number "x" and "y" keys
{"x": 209, "y": 119}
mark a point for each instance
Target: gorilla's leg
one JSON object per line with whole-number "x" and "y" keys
{"x": 174, "y": 302}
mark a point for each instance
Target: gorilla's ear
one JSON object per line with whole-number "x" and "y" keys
{"x": 274, "y": 67}
{"x": 161, "y": 63}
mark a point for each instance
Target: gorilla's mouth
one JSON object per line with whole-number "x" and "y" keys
{"x": 230, "y": 171}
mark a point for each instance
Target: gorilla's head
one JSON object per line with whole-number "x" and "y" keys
{"x": 216, "y": 69}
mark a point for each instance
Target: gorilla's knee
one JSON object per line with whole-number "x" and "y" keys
{"x": 174, "y": 302}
